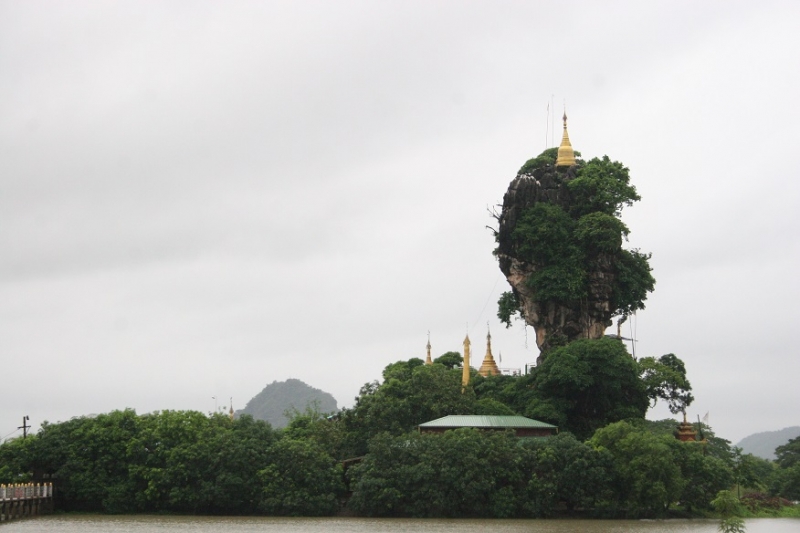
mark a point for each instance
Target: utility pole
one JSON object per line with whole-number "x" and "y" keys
{"x": 24, "y": 427}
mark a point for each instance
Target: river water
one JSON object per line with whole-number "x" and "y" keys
{"x": 192, "y": 524}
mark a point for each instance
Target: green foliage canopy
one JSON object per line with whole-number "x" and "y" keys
{"x": 450, "y": 360}
{"x": 788, "y": 454}
{"x": 300, "y": 480}
{"x": 665, "y": 379}
{"x": 470, "y": 473}
{"x": 586, "y": 385}
{"x": 646, "y": 477}
{"x": 411, "y": 393}
{"x": 178, "y": 461}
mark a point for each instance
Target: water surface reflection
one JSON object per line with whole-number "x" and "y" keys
{"x": 193, "y": 524}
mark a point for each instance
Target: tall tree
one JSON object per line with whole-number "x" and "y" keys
{"x": 586, "y": 385}
{"x": 665, "y": 379}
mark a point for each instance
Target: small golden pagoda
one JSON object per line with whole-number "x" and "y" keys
{"x": 488, "y": 367}
{"x": 686, "y": 432}
{"x": 230, "y": 411}
{"x": 465, "y": 372}
{"x": 566, "y": 155}
{"x": 428, "y": 360}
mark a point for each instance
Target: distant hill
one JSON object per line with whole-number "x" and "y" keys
{"x": 764, "y": 444}
{"x": 280, "y": 396}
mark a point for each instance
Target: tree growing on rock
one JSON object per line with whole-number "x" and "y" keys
{"x": 559, "y": 244}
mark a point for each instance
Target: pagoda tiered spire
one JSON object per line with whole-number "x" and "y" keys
{"x": 488, "y": 367}
{"x": 428, "y": 360}
{"x": 566, "y": 155}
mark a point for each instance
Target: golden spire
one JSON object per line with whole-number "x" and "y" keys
{"x": 566, "y": 155}
{"x": 465, "y": 372}
{"x": 428, "y": 360}
{"x": 488, "y": 366}
{"x": 230, "y": 412}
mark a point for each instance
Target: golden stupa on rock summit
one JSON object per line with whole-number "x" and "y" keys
{"x": 566, "y": 155}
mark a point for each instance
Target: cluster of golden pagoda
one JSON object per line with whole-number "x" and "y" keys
{"x": 488, "y": 366}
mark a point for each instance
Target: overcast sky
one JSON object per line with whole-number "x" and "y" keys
{"x": 200, "y": 198}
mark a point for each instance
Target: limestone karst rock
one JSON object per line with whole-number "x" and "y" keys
{"x": 595, "y": 280}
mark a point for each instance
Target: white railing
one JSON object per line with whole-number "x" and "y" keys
{"x": 25, "y": 491}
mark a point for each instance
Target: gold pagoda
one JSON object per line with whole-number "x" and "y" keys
{"x": 566, "y": 155}
{"x": 465, "y": 372}
{"x": 488, "y": 367}
{"x": 428, "y": 360}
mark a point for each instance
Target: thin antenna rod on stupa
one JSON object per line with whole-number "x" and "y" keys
{"x": 547, "y": 128}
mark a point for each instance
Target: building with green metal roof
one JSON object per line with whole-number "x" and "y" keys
{"x": 522, "y": 426}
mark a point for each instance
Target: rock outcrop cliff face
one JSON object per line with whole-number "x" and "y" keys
{"x": 555, "y": 323}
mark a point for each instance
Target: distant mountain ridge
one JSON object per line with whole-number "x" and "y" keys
{"x": 281, "y": 396}
{"x": 763, "y": 444}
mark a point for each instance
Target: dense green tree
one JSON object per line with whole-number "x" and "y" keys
{"x": 410, "y": 394}
{"x": 472, "y": 473}
{"x": 461, "y": 473}
{"x": 327, "y": 431}
{"x": 502, "y": 388}
{"x": 601, "y": 186}
{"x": 177, "y": 461}
{"x": 788, "y": 455}
{"x": 761, "y": 472}
{"x": 704, "y": 475}
{"x": 89, "y": 457}
{"x": 786, "y": 482}
{"x": 586, "y": 385}
{"x": 543, "y": 236}
{"x": 301, "y": 480}
{"x": 544, "y": 160}
{"x": 16, "y": 457}
{"x": 489, "y": 406}
{"x": 744, "y": 469}
{"x": 573, "y": 472}
{"x": 174, "y": 457}
{"x": 450, "y": 360}
{"x": 646, "y": 475}
{"x": 785, "y": 479}
{"x": 401, "y": 370}
{"x": 665, "y": 379}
